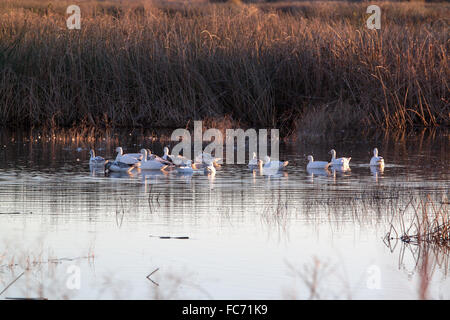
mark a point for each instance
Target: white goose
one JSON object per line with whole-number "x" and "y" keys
{"x": 339, "y": 161}
{"x": 317, "y": 164}
{"x": 376, "y": 160}
{"x": 151, "y": 156}
{"x": 268, "y": 164}
{"x": 254, "y": 161}
{"x": 176, "y": 160}
{"x": 166, "y": 155}
{"x": 206, "y": 158}
{"x": 129, "y": 158}
{"x": 153, "y": 164}
{"x": 96, "y": 161}
{"x": 186, "y": 168}
{"x": 118, "y": 166}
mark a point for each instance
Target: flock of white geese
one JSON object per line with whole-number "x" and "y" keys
{"x": 207, "y": 163}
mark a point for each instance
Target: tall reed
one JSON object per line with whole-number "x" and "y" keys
{"x": 311, "y": 66}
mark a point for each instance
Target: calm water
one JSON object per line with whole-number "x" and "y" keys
{"x": 251, "y": 236}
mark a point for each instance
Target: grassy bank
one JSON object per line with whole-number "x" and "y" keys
{"x": 308, "y": 67}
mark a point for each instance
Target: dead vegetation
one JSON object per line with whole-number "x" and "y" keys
{"x": 308, "y": 67}
{"x": 422, "y": 222}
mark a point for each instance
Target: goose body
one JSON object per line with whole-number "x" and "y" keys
{"x": 176, "y": 160}
{"x": 254, "y": 161}
{"x": 339, "y": 161}
{"x": 117, "y": 166}
{"x": 167, "y": 161}
{"x": 129, "y": 158}
{"x": 186, "y": 168}
{"x": 96, "y": 161}
{"x": 376, "y": 160}
{"x": 152, "y": 156}
{"x": 208, "y": 159}
{"x": 153, "y": 164}
{"x": 317, "y": 164}
{"x": 269, "y": 164}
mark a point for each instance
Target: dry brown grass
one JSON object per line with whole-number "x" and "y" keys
{"x": 308, "y": 66}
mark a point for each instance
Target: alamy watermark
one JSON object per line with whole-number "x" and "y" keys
{"x": 374, "y": 277}
{"x": 237, "y": 141}
{"x": 74, "y": 20}
{"x": 74, "y": 280}
{"x": 374, "y": 21}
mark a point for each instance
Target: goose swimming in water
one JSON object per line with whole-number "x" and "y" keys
{"x": 176, "y": 160}
{"x": 254, "y": 161}
{"x": 269, "y": 164}
{"x": 153, "y": 164}
{"x": 117, "y": 166}
{"x": 339, "y": 161}
{"x": 152, "y": 156}
{"x": 96, "y": 161}
{"x": 129, "y": 158}
{"x": 317, "y": 164}
{"x": 166, "y": 155}
{"x": 376, "y": 160}
{"x": 186, "y": 168}
{"x": 206, "y": 158}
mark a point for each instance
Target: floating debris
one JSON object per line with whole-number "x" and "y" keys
{"x": 15, "y": 213}
{"x": 169, "y": 237}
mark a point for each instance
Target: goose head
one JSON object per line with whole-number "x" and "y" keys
{"x": 310, "y": 159}
{"x": 333, "y": 153}
{"x": 266, "y": 159}
{"x": 92, "y": 153}
{"x": 375, "y": 152}
{"x": 119, "y": 150}
{"x": 166, "y": 151}
{"x": 254, "y": 155}
{"x": 144, "y": 153}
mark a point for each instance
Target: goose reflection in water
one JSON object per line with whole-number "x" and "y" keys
{"x": 377, "y": 171}
{"x": 318, "y": 173}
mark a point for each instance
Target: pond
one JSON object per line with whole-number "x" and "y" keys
{"x": 67, "y": 232}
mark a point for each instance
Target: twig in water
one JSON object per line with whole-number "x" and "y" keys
{"x": 169, "y": 237}
{"x": 9, "y": 298}
{"x": 151, "y": 273}
{"x": 9, "y": 285}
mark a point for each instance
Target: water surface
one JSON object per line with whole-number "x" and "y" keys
{"x": 251, "y": 236}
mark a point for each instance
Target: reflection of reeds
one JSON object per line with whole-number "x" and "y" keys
{"x": 153, "y": 200}
{"x": 34, "y": 273}
{"x": 314, "y": 276}
{"x": 276, "y": 214}
{"x": 429, "y": 223}
{"x": 424, "y": 231}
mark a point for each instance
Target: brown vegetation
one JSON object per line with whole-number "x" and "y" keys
{"x": 310, "y": 66}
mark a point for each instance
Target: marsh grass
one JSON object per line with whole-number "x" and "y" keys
{"x": 428, "y": 223}
{"x": 308, "y": 67}
{"x": 423, "y": 228}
